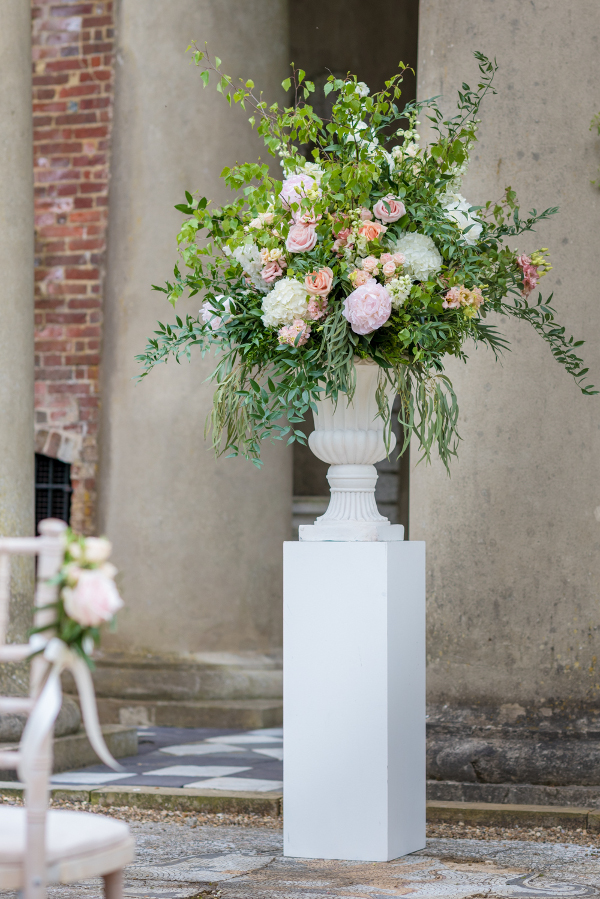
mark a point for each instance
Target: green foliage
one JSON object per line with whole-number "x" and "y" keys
{"x": 366, "y": 151}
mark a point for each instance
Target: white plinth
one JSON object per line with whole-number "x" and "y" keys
{"x": 354, "y": 700}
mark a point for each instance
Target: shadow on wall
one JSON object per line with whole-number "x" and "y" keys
{"x": 338, "y": 37}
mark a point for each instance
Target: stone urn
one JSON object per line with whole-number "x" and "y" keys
{"x": 349, "y": 436}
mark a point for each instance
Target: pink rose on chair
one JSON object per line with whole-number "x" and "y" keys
{"x": 368, "y": 307}
{"x": 395, "y": 212}
{"x": 319, "y": 283}
{"x": 302, "y": 238}
{"x": 94, "y": 598}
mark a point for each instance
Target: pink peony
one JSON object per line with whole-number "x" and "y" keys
{"x": 294, "y": 190}
{"x": 371, "y": 230}
{"x": 301, "y": 238}
{"x": 319, "y": 283}
{"x": 370, "y": 264}
{"x": 368, "y": 307}
{"x": 271, "y": 272}
{"x": 389, "y": 268}
{"x": 317, "y": 308}
{"x": 396, "y": 209}
{"x": 289, "y": 334}
{"x": 365, "y": 214}
{"x": 94, "y": 599}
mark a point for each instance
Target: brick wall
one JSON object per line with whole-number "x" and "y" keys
{"x": 72, "y": 105}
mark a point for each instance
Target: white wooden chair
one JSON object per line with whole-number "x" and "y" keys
{"x": 38, "y": 846}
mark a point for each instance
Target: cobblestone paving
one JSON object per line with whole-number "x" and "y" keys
{"x": 179, "y": 861}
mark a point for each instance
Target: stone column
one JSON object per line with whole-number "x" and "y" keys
{"x": 513, "y": 536}
{"x": 16, "y": 299}
{"x": 198, "y": 541}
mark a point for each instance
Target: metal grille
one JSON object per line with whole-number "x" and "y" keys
{"x": 52, "y": 489}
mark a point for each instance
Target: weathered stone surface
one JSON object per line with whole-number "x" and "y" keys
{"x": 246, "y": 714}
{"x": 514, "y": 794}
{"x": 68, "y": 722}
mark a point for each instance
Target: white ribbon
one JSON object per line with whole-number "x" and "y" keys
{"x": 48, "y": 703}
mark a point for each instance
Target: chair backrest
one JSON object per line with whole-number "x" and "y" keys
{"x": 49, "y": 549}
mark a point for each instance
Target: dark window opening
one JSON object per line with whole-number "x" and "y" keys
{"x": 52, "y": 489}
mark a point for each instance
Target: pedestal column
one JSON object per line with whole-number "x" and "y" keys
{"x": 16, "y": 300}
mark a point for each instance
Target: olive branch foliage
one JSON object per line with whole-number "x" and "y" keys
{"x": 264, "y": 389}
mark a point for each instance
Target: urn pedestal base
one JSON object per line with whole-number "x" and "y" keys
{"x": 354, "y": 699}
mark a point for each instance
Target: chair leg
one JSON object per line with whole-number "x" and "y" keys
{"x": 113, "y": 885}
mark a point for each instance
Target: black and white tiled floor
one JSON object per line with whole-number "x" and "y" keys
{"x": 202, "y": 758}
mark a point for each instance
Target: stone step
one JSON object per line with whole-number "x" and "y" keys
{"x": 243, "y": 714}
{"x": 516, "y": 794}
{"x": 74, "y": 750}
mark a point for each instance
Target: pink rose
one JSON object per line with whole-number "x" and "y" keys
{"x": 295, "y": 188}
{"x": 359, "y": 277}
{"x": 94, "y": 599}
{"x": 365, "y": 214}
{"x": 371, "y": 230}
{"x": 386, "y": 257}
{"x": 388, "y": 269}
{"x": 271, "y": 272}
{"x": 370, "y": 264}
{"x": 302, "y": 238}
{"x": 396, "y": 209}
{"x": 399, "y": 258}
{"x": 317, "y": 308}
{"x": 290, "y": 333}
{"x": 368, "y": 307}
{"x": 319, "y": 283}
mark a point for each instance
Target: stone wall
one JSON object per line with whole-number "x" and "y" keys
{"x": 72, "y": 107}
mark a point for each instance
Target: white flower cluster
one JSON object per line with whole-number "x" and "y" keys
{"x": 248, "y": 256}
{"x": 287, "y": 302}
{"x": 457, "y": 209}
{"x": 399, "y": 289}
{"x": 422, "y": 256}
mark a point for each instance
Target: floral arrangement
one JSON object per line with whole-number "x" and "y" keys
{"x": 87, "y": 594}
{"x": 365, "y": 249}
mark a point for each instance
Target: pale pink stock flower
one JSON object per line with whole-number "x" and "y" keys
{"x": 399, "y": 258}
{"x": 530, "y": 274}
{"x": 461, "y": 297}
{"x": 319, "y": 283}
{"x": 368, "y": 307}
{"x": 271, "y": 272}
{"x": 289, "y": 334}
{"x": 342, "y": 239}
{"x": 371, "y": 230}
{"x": 389, "y": 268}
{"x": 452, "y": 298}
{"x": 317, "y": 308}
{"x": 395, "y": 212}
{"x": 370, "y": 263}
{"x": 365, "y": 214}
{"x": 302, "y": 238}
{"x": 94, "y": 599}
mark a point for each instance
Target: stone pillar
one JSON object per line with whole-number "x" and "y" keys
{"x": 513, "y": 536}
{"x": 16, "y": 300}
{"x": 198, "y": 541}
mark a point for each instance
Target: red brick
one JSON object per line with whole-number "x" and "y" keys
{"x": 96, "y": 21}
{"x": 96, "y": 243}
{"x": 66, "y": 318}
{"x": 72, "y": 9}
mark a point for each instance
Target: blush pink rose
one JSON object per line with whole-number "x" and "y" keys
{"x": 365, "y": 214}
{"x": 371, "y": 230}
{"x": 386, "y": 257}
{"x": 399, "y": 258}
{"x": 389, "y": 268}
{"x": 302, "y": 238}
{"x": 359, "y": 277}
{"x": 271, "y": 272}
{"x": 94, "y": 599}
{"x": 319, "y": 283}
{"x": 368, "y": 307}
{"x": 370, "y": 264}
{"x": 395, "y": 212}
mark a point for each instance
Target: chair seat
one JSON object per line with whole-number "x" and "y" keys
{"x": 78, "y": 845}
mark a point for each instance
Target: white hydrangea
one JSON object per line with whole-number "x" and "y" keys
{"x": 286, "y": 302}
{"x": 422, "y": 257}
{"x": 248, "y": 256}
{"x": 399, "y": 289}
{"x": 457, "y": 209}
{"x": 362, "y": 89}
